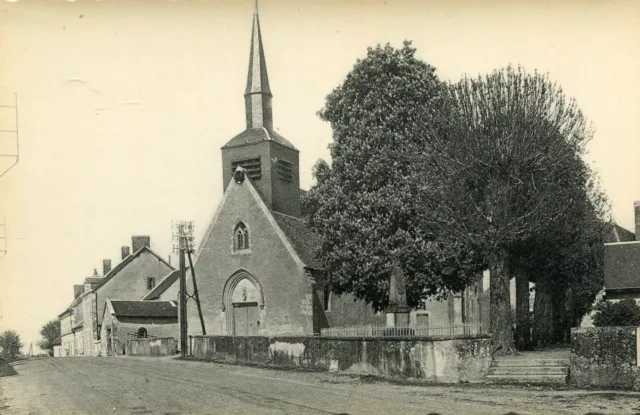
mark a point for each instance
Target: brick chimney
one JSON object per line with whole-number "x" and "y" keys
{"x": 106, "y": 266}
{"x": 125, "y": 252}
{"x": 636, "y": 211}
{"x": 138, "y": 241}
{"x": 77, "y": 290}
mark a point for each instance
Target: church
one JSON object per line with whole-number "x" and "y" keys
{"x": 256, "y": 267}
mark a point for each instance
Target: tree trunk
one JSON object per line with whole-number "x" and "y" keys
{"x": 523, "y": 320}
{"x": 542, "y": 315}
{"x": 500, "y": 311}
{"x": 563, "y": 315}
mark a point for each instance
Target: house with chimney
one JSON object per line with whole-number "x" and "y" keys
{"x": 622, "y": 262}
{"x": 133, "y": 278}
{"x": 72, "y": 319}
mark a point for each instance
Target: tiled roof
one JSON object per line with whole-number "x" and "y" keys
{"x": 616, "y": 233}
{"x": 145, "y": 308}
{"x": 305, "y": 242}
{"x": 162, "y": 285}
{"x": 622, "y": 265}
{"x": 256, "y": 135}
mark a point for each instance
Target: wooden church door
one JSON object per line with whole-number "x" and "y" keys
{"x": 245, "y": 319}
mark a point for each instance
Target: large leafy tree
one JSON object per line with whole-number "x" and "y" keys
{"x": 10, "y": 345}
{"x": 503, "y": 171}
{"x": 364, "y": 206}
{"x": 50, "y": 332}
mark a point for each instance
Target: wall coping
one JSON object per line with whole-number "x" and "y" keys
{"x": 152, "y": 339}
{"x": 354, "y": 338}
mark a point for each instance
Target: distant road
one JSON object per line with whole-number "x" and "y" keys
{"x": 128, "y": 385}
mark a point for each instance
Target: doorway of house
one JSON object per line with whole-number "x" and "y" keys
{"x": 245, "y": 319}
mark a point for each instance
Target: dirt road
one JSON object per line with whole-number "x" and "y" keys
{"x": 127, "y": 385}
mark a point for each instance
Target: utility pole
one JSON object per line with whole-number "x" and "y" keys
{"x": 179, "y": 237}
{"x": 183, "y": 245}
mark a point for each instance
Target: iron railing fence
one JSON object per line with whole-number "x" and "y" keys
{"x": 377, "y": 330}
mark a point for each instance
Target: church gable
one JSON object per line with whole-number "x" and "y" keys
{"x": 245, "y": 258}
{"x": 242, "y": 221}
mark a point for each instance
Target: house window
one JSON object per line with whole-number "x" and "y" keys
{"x": 327, "y": 298}
{"x": 241, "y": 237}
{"x": 151, "y": 282}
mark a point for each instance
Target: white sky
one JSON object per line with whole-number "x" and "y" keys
{"x": 124, "y": 105}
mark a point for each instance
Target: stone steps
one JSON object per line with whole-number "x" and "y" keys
{"x": 530, "y": 370}
{"x": 526, "y": 370}
{"x": 516, "y": 362}
{"x": 528, "y": 379}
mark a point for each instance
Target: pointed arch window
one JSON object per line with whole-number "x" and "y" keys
{"x": 241, "y": 237}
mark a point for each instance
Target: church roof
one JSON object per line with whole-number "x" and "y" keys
{"x": 616, "y": 233}
{"x": 305, "y": 242}
{"x": 122, "y": 308}
{"x": 256, "y": 135}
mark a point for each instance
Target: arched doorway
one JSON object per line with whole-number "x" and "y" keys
{"x": 243, "y": 301}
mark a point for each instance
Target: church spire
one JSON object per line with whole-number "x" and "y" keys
{"x": 257, "y": 95}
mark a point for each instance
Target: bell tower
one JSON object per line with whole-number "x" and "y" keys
{"x": 271, "y": 161}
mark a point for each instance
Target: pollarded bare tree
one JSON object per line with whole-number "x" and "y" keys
{"x": 503, "y": 172}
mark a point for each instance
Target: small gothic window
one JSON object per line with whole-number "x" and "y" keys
{"x": 241, "y": 237}
{"x": 142, "y": 332}
{"x": 151, "y": 282}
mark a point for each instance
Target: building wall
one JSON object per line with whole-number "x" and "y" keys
{"x": 156, "y": 327}
{"x": 171, "y": 293}
{"x": 90, "y": 322}
{"x": 79, "y": 342}
{"x": 131, "y": 282}
{"x": 345, "y": 310}
{"x": 282, "y": 280}
{"x": 67, "y": 343}
{"x": 118, "y": 331}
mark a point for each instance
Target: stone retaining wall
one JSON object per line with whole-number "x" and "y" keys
{"x": 453, "y": 359}
{"x": 163, "y": 346}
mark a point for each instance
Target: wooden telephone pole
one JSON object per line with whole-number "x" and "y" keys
{"x": 183, "y": 244}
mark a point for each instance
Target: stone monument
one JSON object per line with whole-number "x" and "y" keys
{"x": 398, "y": 310}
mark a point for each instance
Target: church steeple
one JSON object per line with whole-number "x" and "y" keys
{"x": 257, "y": 95}
{"x": 270, "y": 160}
